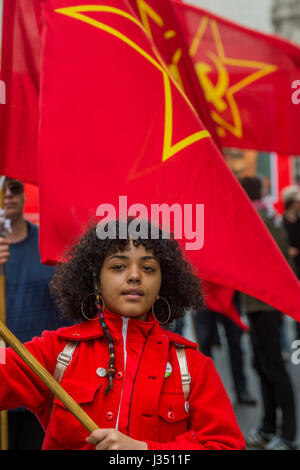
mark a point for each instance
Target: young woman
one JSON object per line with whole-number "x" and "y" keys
{"x": 125, "y": 370}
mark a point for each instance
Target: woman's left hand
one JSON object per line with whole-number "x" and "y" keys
{"x": 111, "y": 439}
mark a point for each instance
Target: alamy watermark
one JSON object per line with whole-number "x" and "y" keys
{"x": 188, "y": 222}
{"x": 2, "y": 92}
{"x": 296, "y": 354}
{"x": 296, "y": 94}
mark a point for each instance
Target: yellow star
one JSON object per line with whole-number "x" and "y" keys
{"x": 221, "y": 95}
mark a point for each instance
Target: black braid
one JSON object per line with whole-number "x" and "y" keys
{"x": 110, "y": 372}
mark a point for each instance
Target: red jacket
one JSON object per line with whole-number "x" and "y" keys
{"x": 146, "y": 406}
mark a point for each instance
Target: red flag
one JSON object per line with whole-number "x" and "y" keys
{"x": 31, "y": 208}
{"x": 283, "y": 176}
{"x": 220, "y": 299}
{"x": 247, "y": 79}
{"x": 114, "y": 123}
{"x": 162, "y": 26}
{"x": 20, "y": 64}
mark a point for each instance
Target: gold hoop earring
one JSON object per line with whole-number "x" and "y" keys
{"x": 160, "y": 322}
{"x": 97, "y": 297}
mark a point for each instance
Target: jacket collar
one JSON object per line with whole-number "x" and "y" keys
{"x": 81, "y": 331}
{"x": 92, "y": 329}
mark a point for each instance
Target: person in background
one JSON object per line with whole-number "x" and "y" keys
{"x": 29, "y": 307}
{"x": 207, "y": 323}
{"x": 291, "y": 218}
{"x": 178, "y": 326}
{"x": 276, "y": 387}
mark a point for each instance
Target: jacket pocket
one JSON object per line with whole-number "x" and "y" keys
{"x": 64, "y": 427}
{"x": 174, "y": 415}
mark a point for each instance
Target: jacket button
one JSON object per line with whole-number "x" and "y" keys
{"x": 171, "y": 415}
{"x": 101, "y": 372}
{"x": 119, "y": 375}
{"x": 109, "y": 415}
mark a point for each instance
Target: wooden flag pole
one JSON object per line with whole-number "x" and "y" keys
{"x": 47, "y": 378}
{"x": 3, "y": 414}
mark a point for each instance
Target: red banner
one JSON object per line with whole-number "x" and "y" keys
{"x": 20, "y": 64}
{"x": 160, "y": 21}
{"x": 220, "y": 299}
{"x": 31, "y": 208}
{"x": 247, "y": 78}
{"x": 116, "y": 129}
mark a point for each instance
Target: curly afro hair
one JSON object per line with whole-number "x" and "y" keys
{"x": 73, "y": 280}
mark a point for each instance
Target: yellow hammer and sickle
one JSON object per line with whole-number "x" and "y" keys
{"x": 214, "y": 94}
{"x": 169, "y": 149}
{"x": 222, "y": 95}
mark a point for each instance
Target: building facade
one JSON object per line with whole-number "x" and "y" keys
{"x": 286, "y": 19}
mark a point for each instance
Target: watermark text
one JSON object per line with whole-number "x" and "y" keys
{"x": 296, "y": 354}
{"x": 296, "y": 94}
{"x": 188, "y": 222}
{"x": 2, "y": 92}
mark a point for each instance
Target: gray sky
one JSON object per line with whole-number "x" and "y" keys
{"x": 252, "y": 13}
